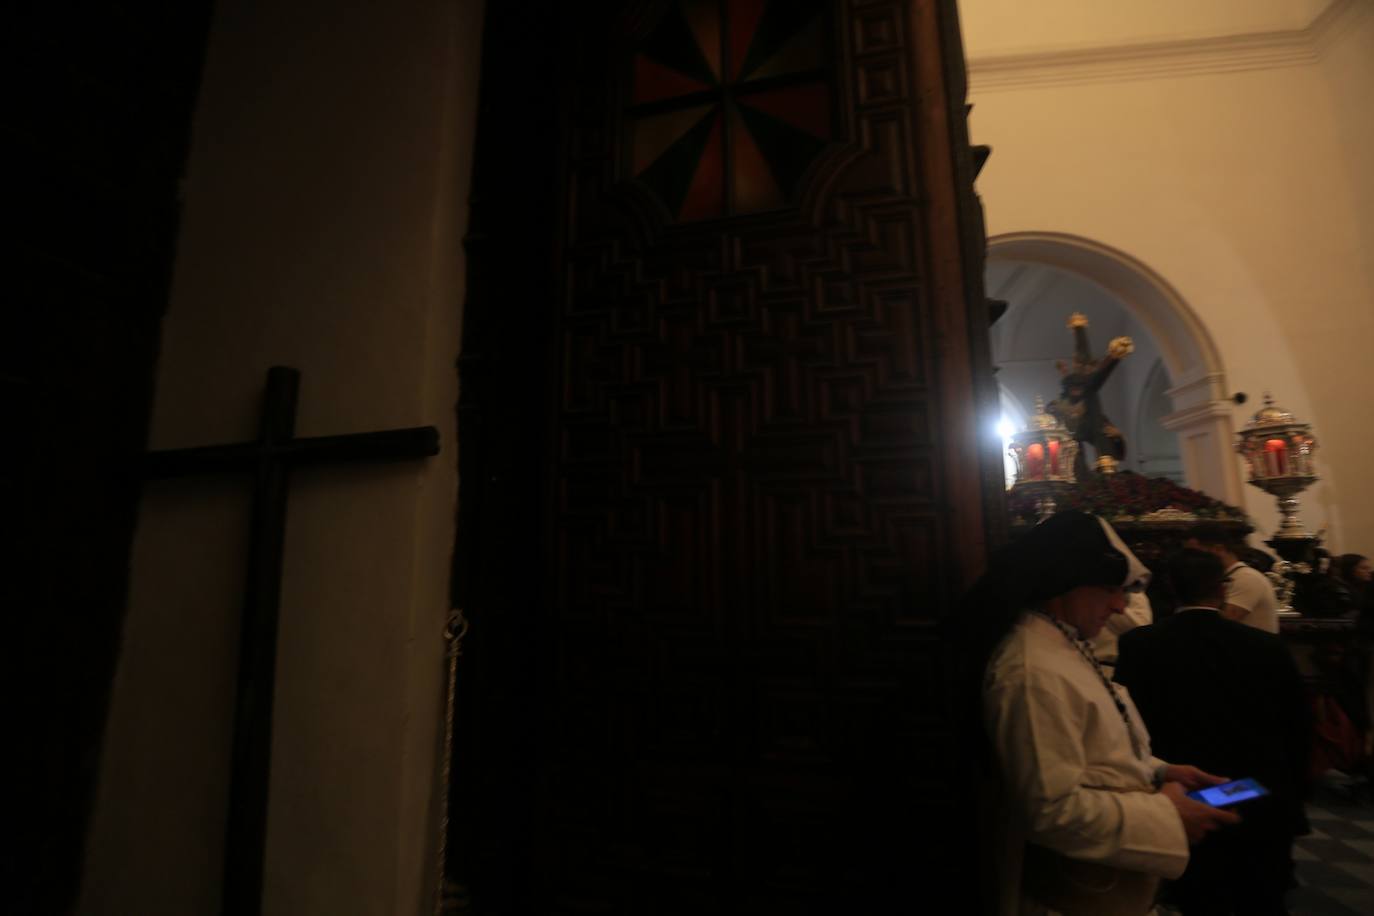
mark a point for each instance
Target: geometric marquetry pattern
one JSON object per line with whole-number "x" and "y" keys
{"x": 751, "y": 543}
{"x": 729, "y": 103}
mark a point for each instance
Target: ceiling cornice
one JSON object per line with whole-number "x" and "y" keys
{"x": 1156, "y": 59}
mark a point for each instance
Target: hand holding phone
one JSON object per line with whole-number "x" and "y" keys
{"x": 1229, "y": 793}
{"x": 1198, "y": 818}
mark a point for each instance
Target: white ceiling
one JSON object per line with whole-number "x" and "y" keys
{"x": 995, "y": 28}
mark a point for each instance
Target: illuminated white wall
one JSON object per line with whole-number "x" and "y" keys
{"x": 1225, "y": 146}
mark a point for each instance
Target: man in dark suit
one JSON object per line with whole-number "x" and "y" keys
{"x": 1227, "y": 697}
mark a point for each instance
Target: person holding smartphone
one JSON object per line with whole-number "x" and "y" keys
{"x": 1228, "y": 697}
{"x": 1081, "y": 817}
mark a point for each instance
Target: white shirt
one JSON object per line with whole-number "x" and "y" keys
{"x": 1250, "y": 589}
{"x": 1061, "y": 746}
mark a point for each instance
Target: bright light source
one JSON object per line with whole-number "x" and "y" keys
{"x": 1005, "y": 429}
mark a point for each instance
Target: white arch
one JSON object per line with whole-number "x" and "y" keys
{"x": 1186, "y": 347}
{"x": 1200, "y": 399}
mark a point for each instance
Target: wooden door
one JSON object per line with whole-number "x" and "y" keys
{"x": 720, "y": 458}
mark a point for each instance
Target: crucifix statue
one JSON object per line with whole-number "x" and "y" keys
{"x": 270, "y": 459}
{"x": 1078, "y": 406}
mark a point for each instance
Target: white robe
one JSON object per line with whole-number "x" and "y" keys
{"x": 1058, "y": 738}
{"x": 1138, "y": 613}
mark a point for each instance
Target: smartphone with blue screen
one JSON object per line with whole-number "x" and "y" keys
{"x": 1229, "y": 793}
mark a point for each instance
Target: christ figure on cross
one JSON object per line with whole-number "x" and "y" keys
{"x": 1078, "y": 406}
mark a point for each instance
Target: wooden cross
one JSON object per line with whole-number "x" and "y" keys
{"x": 270, "y": 459}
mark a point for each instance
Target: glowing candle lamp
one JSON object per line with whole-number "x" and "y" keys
{"x": 1276, "y": 457}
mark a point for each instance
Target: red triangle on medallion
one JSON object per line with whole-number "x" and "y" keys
{"x": 804, "y": 107}
{"x": 704, "y": 196}
{"x": 744, "y": 21}
{"x": 755, "y": 187}
{"x": 651, "y": 136}
{"x": 703, "y": 18}
{"x": 654, "y": 81}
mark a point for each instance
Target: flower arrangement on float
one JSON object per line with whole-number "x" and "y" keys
{"x": 1128, "y": 497}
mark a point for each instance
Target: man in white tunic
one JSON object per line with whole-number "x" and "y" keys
{"x": 1086, "y": 820}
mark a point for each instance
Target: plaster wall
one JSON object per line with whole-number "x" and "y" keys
{"x": 324, "y": 212}
{"x": 1248, "y": 190}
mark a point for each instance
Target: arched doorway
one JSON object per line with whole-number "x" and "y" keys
{"x": 1039, "y": 273}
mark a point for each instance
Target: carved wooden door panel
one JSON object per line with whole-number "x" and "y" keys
{"x": 761, "y": 482}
